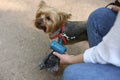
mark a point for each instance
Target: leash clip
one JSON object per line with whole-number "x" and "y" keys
{"x": 68, "y": 38}
{"x": 63, "y": 34}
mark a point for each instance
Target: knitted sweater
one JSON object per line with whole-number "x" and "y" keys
{"x": 108, "y": 50}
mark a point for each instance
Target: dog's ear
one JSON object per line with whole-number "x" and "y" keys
{"x": 64, "y": 16}
{"x": 42, "y": 3}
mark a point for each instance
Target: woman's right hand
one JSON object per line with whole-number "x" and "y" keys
{"x": 64, "y": 58}
{"x": 69, "y": 59}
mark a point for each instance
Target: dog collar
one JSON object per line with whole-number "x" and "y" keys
{"x": 60, "y": 35}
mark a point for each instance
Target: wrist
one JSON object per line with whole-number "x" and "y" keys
{"x": 76, "y": 59}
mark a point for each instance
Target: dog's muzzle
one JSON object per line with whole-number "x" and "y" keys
{"x": 39, "y": 25}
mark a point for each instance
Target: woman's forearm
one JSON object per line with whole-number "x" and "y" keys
{"x": 77, "y": 59}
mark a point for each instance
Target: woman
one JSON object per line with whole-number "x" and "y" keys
{"x": 102, "y": 60}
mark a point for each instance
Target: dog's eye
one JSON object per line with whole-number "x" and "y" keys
{"x": 48, "y": 18}
{"x": 38, "y": 15}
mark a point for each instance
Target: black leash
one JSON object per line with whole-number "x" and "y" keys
{"x": 116, "y": 3}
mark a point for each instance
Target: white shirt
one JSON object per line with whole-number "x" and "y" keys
{"x": 108, "y": 50}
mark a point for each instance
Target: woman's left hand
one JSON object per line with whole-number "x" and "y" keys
{"x": 116, "y": 8}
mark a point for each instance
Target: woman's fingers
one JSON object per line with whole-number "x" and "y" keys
{"x": 57, "y": 54}
{"x": 116, "y": 8}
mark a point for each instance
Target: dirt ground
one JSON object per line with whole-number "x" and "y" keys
{"x": 22, "y": 46}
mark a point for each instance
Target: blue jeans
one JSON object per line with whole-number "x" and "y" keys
{"x": 99, "y": 24}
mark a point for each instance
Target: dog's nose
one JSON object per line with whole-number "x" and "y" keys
{"x": 40, "y": 22}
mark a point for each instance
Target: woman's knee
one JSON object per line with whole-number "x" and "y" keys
{"x": 75, "y": 72}
{"x": 102, "y": 19}
{"x": 71, "y": 72}
{"x": 68, "y": 73}
{"x": 102, "y": 13}
{"x": 90, "y": 71}
{"x": 99, "y": 23}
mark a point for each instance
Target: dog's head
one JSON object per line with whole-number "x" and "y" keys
{"x": 49, "y": 19}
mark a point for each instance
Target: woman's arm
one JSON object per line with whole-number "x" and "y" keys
{"x": 69, "y": 59}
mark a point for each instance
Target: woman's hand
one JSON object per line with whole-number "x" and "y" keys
{"x": 115, "y": 8}
{"x": 64, "y": 58}
{"x": 69, "y": 59}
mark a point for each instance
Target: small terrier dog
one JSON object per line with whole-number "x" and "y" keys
{"x": 51, "y": 21}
